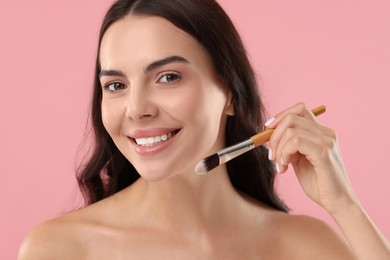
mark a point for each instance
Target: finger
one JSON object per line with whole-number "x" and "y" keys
{"x": 299, "y": 109}
{"x": 296, "y": 121}
{"x": 299, "y": 142}
{"x": 293, "y": 121}
{"x": 280, "y": 167}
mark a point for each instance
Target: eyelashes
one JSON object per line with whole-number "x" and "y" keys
{"x": 169, "y": 77}
{"x": 114, "y": 86}
{"x": 165, "y": 78}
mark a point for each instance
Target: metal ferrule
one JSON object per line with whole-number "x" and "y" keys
{"x": 233, "y": 151}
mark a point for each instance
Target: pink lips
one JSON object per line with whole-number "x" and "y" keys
{"x": 147, "y": 133}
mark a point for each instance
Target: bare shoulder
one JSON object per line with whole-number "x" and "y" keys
{"x": 310, "y": 238}
{"x": 51, "y": 240}
{"x": 66, "y": 237}
{"x": 74, "y": 235}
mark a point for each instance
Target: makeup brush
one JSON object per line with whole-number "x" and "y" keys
{"x": 231, "y": 152}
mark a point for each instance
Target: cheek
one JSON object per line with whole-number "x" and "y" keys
{"x": 112, "y": 113}
{"x": 188, "y": 106}
{"x": 199, "y": 106}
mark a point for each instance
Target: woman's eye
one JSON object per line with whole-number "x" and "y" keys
{"x": 169, "y": 77}
{"x": 114, "y": 86}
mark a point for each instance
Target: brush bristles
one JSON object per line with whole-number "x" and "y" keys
{"x": 207, "y": 164}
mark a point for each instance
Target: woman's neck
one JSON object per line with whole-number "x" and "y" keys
{"x": 186, "y": 203}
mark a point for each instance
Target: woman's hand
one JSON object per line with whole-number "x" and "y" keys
{"x": 313, "y": 151}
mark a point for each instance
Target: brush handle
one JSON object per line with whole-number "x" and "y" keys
{"x": 264, "y": 136}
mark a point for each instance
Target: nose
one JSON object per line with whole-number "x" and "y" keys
{"x": 140, "y": 105}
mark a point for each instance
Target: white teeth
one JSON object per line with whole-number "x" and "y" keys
{"x": 153, "y": 140}
{"x": 141, "y": 141}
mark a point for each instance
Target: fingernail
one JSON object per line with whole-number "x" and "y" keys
{"x": 270, "y": 121}
{"x": 277, "y": 167}
{"x": 270, "y": 154}
{"x": 281, "y": 161}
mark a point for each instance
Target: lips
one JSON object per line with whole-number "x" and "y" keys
{"x": 151, "y": 136}
{"x": 148, "y": 142}
{"x": 153, "y": 140}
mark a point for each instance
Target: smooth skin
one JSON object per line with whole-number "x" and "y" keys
{"x": 172, "y": 213}
{"x": 313, "y": 151}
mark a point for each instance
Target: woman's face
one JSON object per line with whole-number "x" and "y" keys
{"x": 163, "y": 104}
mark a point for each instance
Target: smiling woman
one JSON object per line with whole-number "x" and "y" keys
{"x": 172, "y": 85}
{"x": 158, "y": 94}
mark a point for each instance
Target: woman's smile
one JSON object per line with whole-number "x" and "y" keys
{"x": 151, "y": 141}
{"x": 163, "y": 104}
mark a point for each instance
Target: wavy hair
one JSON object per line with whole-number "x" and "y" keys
{"x": 251, "y": 173}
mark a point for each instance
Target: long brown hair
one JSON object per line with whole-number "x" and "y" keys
{"x": 251, "y": 173}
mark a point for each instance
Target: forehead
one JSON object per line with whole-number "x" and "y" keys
{"x": 146, "y": 38}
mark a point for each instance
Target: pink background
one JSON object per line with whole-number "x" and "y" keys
{"x": 322, "y": 52}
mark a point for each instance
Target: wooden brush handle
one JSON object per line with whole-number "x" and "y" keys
{"x": 264, "y": 136}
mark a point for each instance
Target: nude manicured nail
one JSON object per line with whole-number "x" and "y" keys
{"x": 270, "y": 154}
{"x": 282, "y": 161}
{"x": 270, "y": 121}
{"x": 277, "y": 167}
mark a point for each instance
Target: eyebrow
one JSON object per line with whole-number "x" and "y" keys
{"x": 111, "y": 73}
{"x": 171, "y": 59}
{"x": 152, "y": 66}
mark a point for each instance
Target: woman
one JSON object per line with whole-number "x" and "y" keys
{"x": 172, "y": 86}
